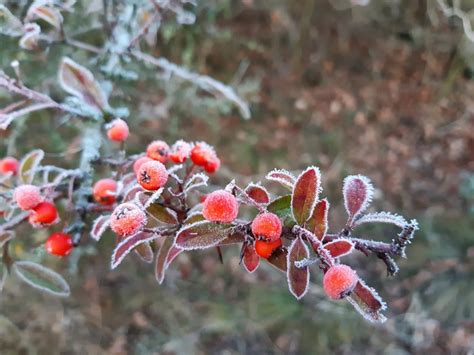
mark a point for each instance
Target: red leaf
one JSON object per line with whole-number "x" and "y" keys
{"x": 282, "y": 176}
{"x": 305, "y": 194}
{"x": 298, "y": 278}
{"x": 251, "y": 259}
{"x": 162, "y": 214}
{"x": 367, "y": 302}
{"x": 99, "y": 227}
{"x": 318, "y": 222}
{"x": 202, "y": 235}
{"x": 128, "y": 244}
{"x": 339, "y": 247}
{"x": 234, "y": 238}
{"x": 163, "y": 259}
{"x": 279, "y": 259}
{"x": 358, "y": 192}
{"x": 258, "y": 193}
{"x": 145, "y": 252}
{"x": 131, "y": 193}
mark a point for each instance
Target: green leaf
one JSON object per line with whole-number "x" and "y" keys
{"x": 41, "y": 278}
{"x": 281, "y": 206}
{"x": 202, "y": 235}
{"x": 28, "y": 165}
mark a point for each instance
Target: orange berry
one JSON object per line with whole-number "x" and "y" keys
{"x": 265, "y": 249}
{"x": 220, "y": 206}
{"x": 212, "y": 165}
{"x": 44, "y": 213}
{"x": 139, "y": 162}
{"x": 339, "y": 281}
{"x": 201, "y": 153}
{"x": 127, "y": 219}
{"x": 180, "y": 151}
{"x": 105, "y": 192}
{"x": 9, "y": 165}
{"x": 59, "y": 244}
{"x": 152, "y": 175}
{"x": 27, "y": 196}
{"x": 158, "y": 150}
{"x": 268, "y": 226}
{"x": 117, "y": 130}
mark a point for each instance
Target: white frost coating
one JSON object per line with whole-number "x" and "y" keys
{"x": 214, "y": 230}
{"x": 369, "y": 193}
{"x": 131, "y": 192}
{"x": 99, "y": 227}
{"x": 156, "y": 195}
{"x": 22, "y": 267}
{"x": 43, "y": 10}
{"x": 282, "y": 176}
{"x": 288, "y": 263}
{"x": 382, "y": 217}
{"x": 259, "y": 186}
{"x": 175, "y": 168}
{"x": 318, "y": 189}
{"x": 114, "y": 262}
{"x": 29, "y": 40}
{"x": 376, "y": 295}
{"x": 196, "y": 181}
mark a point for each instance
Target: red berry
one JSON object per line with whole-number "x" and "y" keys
{"x": 59, "y": 244}
{"x": 180, "y": 151}
{"x": 139, "y": 162}
{"x": 265, "y": 249}
{"x": 44, "y": 213}
{"x": 117, "y": 130}
{"x": 27, "y": 196}
{"x": 152, "y": 175}
{"x": 339, "y": 281}
{"x": 105, "y": 192}
{"x": 201, "y": 153}
{"x": 127, "y": 219}
{"x": 158, "y": 150}
{"x": 220, "y": 206}
{"x": 9, "y": 165}
{"x": 213, "y": 165}
{"x": 268, "y": 226}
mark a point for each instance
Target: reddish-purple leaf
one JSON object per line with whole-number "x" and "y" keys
{"x": 173, "y": 254}
{"x": 162, "y": 214}
{"x": 318, "y": 222}
{"x": 298, "y": 278}
{"x": 305, "y": 194}
{"x": 367, "y": 302}
{"x": 163, "y": 260}
{"x": 279, "y": 259}
{"x": 202, "y": 235}
{"x": 144, "y": 252}
{"x": 283, "y": 177}
{"x": 128, "y": 244}
{"x": 131, "y": 193}
{"x": 100, "y": 225}
{"x": 251, "y": 259}
{"x": 233, "y": 238}
{"x": 258, "y": 193}
{"x": 194, "y": 217}
{"x": 339, "y": 247}
{"x": 358, "y": 192}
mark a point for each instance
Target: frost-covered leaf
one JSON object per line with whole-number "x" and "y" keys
{"x": 80, "y": 82}
{"x": 31, "y": 33}
{"x": 281, "y": 206}
{"x": 128, "y": 244}
{"x": 367, "y": 302}
{"x": 298, "y": 277}
{"x": 46, "y": 12}
{"x": 162, "y": 258}
{"x": 305, "y": 194}
{"x": 202, "y": 235}
{"x": 250, "y": 259}
{"x": 339, "y": 247}
{"x": 154, "y": 197}
{"x": 41, "y": 278}
{"x": 194, "y": 217}
{"x": 99, "y": 226}
{"x": 162, "y": 214}
{"x": 10, "y": 25}
{"x": 382, "y": 217}
{"x": 29, "y": 164}
{"x": 318, "y": 222}
{"x": 144, "y": 252}
{"x": 283, "y": 177}
{"x": 358, "y": 192}
{"x": 232, "y": 238}
{"x": 258, "y": 193}
{"x": 131, "y": 193}
{"x": 197, "y": 180}
{"x": 279, "y": 259}
{"x": 5, "y": 236}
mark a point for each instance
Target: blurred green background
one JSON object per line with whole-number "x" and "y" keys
{"x": 383, "y": 90}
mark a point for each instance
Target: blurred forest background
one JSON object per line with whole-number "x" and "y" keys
{"x": 385, "y": 90}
